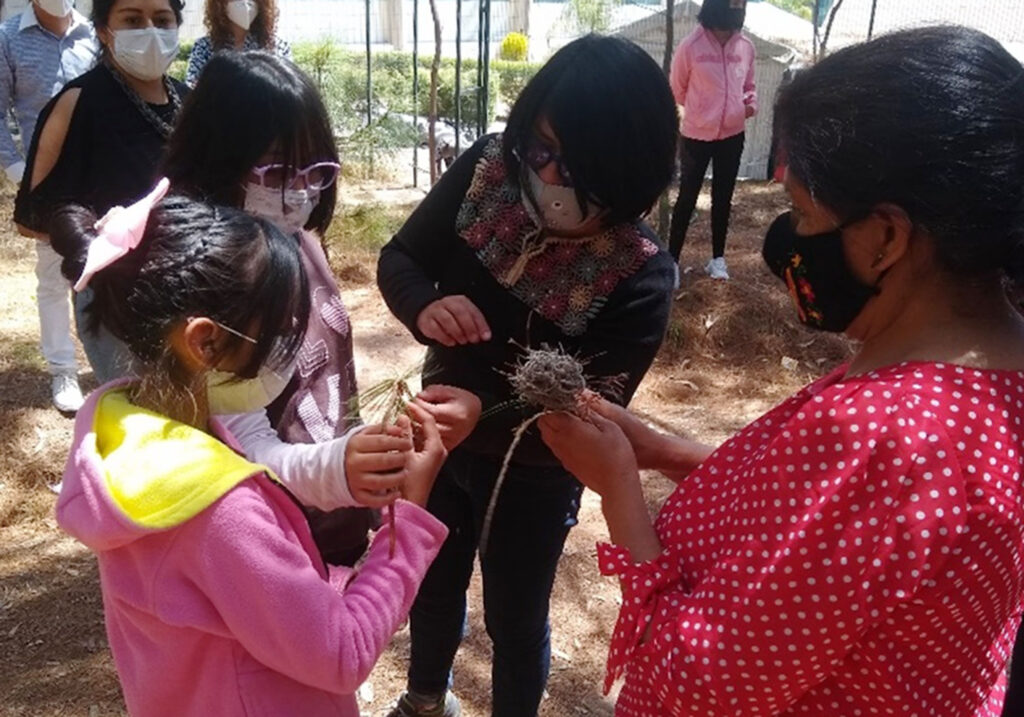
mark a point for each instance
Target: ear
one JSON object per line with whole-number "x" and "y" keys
{"x": 895, "y": 232}
{"x": 106, "y": 37}
{"x": 196, "y": 344}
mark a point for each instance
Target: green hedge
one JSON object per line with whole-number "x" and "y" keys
{"x": 341, "y": 75}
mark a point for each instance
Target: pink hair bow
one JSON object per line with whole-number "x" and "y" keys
{"x": 120, "y": 231}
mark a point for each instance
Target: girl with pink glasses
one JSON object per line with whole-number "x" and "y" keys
{"x": 255, "y": 135}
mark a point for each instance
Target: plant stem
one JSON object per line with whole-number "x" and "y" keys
{"x": 485, "y": 531}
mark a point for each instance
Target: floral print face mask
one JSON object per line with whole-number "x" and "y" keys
{"x": 827, "y": 295}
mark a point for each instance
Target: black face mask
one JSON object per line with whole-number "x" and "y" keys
{"x": 826, "y": 293}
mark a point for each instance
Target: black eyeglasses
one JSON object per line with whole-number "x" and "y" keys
{"x": 537, "y": 155}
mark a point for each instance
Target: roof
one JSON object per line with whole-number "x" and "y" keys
{"x": 776, "y": 34}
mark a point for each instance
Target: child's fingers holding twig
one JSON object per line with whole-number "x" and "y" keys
{"x": 456, "y": 411}
{"x": 375, "y": 462}
{"x": 426, "y": 461}
{"x": 378, "y": 490}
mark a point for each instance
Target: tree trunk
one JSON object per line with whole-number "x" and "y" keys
{"x": 435, "y": 68}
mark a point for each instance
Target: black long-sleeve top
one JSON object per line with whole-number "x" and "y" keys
{"x": 427, "y": 259}
{"x": 110, "y": 156}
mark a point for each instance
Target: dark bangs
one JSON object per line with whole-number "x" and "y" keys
{"x": 610, "y": 107}
{"x": 245, "y": 104}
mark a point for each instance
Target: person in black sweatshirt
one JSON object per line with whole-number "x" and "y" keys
{"x": 532, "y": 239}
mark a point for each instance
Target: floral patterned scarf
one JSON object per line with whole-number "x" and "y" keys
{"x": 566, "y": 281}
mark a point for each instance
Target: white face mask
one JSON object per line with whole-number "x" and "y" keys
{"x": 58, "y": 8}
{"x": 242, "y": 12}
{"x": 556, "y": 206}
{"x": 145, "y": 54}
{"x": 227, "y": 394}
{"x": 291, "y": 215}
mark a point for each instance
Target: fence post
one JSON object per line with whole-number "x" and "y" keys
{"x": 458, "y": 76}
{"x": 485, "y": 87}
{"x": 664, "y": 208}
{"x": 416, "y": 91}
{"x": 369, "y": 87}
{"x": 479, "y": 65}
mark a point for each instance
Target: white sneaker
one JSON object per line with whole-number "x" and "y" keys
{"x": 716, "y": 269}
{"x": 67, "y": 397}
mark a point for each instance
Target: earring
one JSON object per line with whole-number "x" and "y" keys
{"x": 878, "y": 259}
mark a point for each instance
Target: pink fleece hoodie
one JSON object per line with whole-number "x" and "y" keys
{"x": 216, "y": 600}
{"x": 714, "y": 84}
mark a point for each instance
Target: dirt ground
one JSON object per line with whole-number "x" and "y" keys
{"x": 732, "y": 351}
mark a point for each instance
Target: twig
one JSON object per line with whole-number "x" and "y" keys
{"x": 485, "y": 532}
{"x": 388, "y": 398}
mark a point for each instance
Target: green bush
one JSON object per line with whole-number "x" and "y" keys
{"x": 512, "y": 77}
{"x": 177, "y": 70}
{"x": 514, "y": 48}
{"x": 340, "y": 74}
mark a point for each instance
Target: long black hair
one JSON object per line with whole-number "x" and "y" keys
{"x": 931, "y": 120}
{"x": 194, "y": 260}
{"x": 612, "y": 111}
{"x": 244, "y": 104}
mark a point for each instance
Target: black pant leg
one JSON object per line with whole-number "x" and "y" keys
{"x": 725, "y": 168}
{"x": 695, "y": 157}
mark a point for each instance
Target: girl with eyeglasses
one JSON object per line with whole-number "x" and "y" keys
{"x": 255, "y": 135}
{"x": 215, "y": 599}
{"x": 534, "y": 237}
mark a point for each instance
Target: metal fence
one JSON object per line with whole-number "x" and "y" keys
{"x": 377, "y": 36}
{"x": 469, "y": 37}
{"x": 857, "y": 20}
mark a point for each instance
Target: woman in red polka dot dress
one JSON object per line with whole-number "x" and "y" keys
{"x": 857, "y": 550}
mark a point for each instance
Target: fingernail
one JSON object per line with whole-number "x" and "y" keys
{"x": 487, "y": 335}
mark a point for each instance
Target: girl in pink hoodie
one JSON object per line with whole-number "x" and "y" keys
{"x": 216, "y": 599}
{"x": 712, "y": 79}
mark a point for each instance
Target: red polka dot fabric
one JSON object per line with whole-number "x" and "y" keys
{"x": 856, "y": 551}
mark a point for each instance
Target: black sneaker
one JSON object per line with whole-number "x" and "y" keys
{"x": 448, "y": 706}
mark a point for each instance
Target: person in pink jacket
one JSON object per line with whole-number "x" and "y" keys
{"x": 216, "y": 599}
{"x": 712, "y": 79}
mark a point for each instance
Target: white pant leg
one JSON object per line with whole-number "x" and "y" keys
{"x": 53, "y": 294}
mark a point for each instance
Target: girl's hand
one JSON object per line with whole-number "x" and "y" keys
{"x": 597, "y": 452}
{"x": 376, "y": 463}
{"x": 453, "y": 321}
{"x": 424, "y": 461}
{"x": 455, "y": 410}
